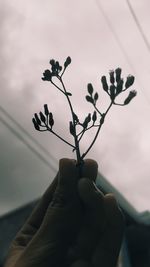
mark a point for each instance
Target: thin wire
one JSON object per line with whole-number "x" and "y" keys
{"x": 99, "y": 6}
{"x": 25, "y": 132}
{"x": 20, "y": 136}
{"x": 138, "y": 25}
{"x": 114, "y": 33}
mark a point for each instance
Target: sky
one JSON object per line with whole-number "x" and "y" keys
{"x": 99, "y": 36}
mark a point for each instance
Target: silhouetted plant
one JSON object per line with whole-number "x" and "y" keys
{"x": 45, "y": 121}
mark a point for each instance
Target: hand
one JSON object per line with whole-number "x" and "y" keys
{"x": 73, "y": 225}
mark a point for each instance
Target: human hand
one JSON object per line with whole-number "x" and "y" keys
{"x": 72, "y": 225}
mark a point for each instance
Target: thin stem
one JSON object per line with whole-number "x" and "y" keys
{"x": 42, "y": 130}
{"x": 109, "y": 107}
{"x": 99, "y": 128}
{"x": 97, "y": 109}
{"x": 117, "y": 104}
{"x": 61, "y": 138}
{"x": 83, "y": 131}
{"x": 63, "y": 72}
{"x": 76, "y": 147}
{"x": 75, "y": 135}
{"x": 57, "y": 87}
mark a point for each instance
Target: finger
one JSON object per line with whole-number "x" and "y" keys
{"x": 62, "y": 217}
{"x": 34, "y": 221}
{"x": 93, "y": 222}
{"x": 90, "y": 169}
{"x": 109, "y": 245}
{"x": 91, "y": 196}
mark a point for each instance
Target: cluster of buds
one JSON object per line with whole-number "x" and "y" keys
{"x": 43, "y": 120}
{"x": 117, "y": 85}
{"x": 56, "y": 69}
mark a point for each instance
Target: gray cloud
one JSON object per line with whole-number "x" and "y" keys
{"x": 31, "y": 33}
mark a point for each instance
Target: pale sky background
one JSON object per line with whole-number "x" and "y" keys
{"x": 99, "y": 36}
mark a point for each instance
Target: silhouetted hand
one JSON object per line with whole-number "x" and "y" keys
{"x": 73, "y": 225}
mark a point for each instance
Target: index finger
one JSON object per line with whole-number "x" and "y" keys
{"x": 107, "y": 251}
{"x": 35, "y": 219}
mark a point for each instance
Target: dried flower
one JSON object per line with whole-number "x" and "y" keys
{"x": 45, "y": 122}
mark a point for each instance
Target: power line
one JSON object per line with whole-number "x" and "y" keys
{"x": 114, "y": 34}
{"x": 99, "y": 6}
{"x": 20, "y": 136}
{"x": 138, "y": 25}
{"x": 25, "y": 132}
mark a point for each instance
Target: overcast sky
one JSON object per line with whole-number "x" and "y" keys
{"x": 99, "y": 36}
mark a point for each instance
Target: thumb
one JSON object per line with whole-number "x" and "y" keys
{"x": 91, "y": 196}
{"x": 93, "y": 201}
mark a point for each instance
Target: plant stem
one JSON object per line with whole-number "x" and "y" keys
{"x": 50, "y": 130}
{"x": 97, "y": 109}
{"x": 57, "y": 87}
{"x": 79, "y": 160}
{"x": 99, "y": 128}
{"x": 117, "y": 104}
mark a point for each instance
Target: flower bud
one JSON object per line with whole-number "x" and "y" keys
{"x": 52, "y": 62}
{"x": 112, "y": 92}
{"x": 46, "y": 110}
{"x": 94, "y": 117}
{"x": 131, "y": 95}
{"x": 57, "y": 66}
{"x": 96, "y": 96}
{"x": 104, "y": 83}
{"x": 90, "y": 88}
{"x": 86, "y": 121}
{"x": 47, "y": 75}
{"x": 67, "y": 62}
{"x": 89, "y": 117}
{"x": 118, "y": 74}
{"x": 112, "y": 78}
{"x": 119, "y": 86}
{"x": 89, "y": 99}
{"x": 36, "y": 126}
{"x": 129, "y": 81}
{"x": 42, "y": 117}
{"x": 37, "y": 119}
{"x": 51, "y": 120}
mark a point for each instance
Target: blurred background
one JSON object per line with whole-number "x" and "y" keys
{"x": 99, "y": 36}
